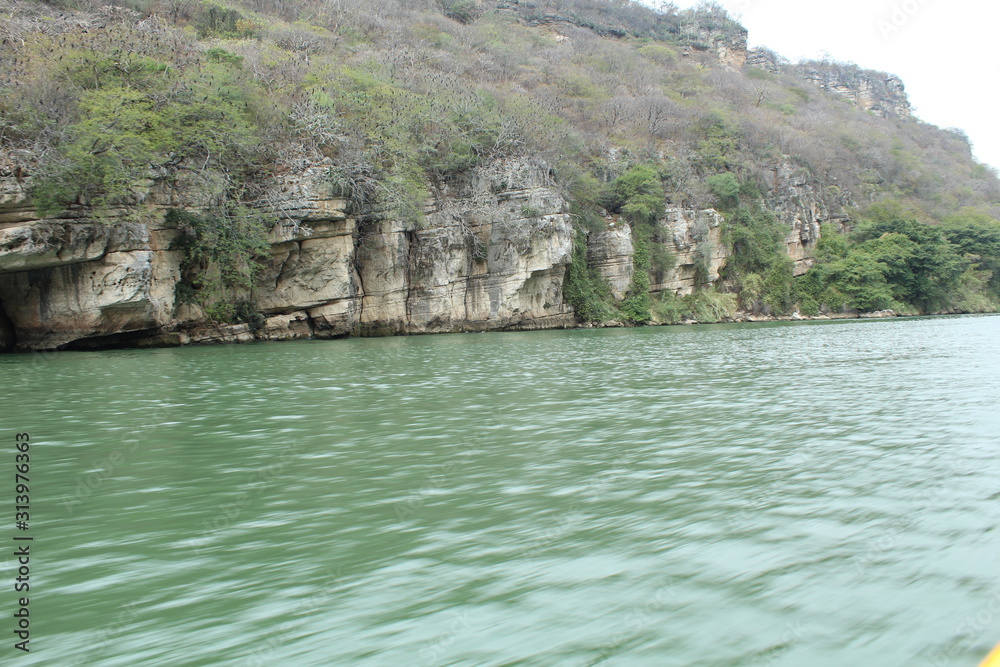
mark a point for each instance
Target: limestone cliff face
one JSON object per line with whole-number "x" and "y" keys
{"x": 691, "y": 237}
{"x": 765, "y": 59}
{"x": 610, "y": 252}
{"x": 880, "y": 93}
{"x": 728, "y": 44}
{"x": 804, "y": 205}
{"x": 491, "y": 254}
{"x": 695, "y": 237}
{"x": 62, "y": 279}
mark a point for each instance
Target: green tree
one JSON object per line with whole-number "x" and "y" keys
{"x": 832, "y": 245}
{"x": 976, "y": 235}
{"x": 921, "y": 265}
{"x": 638, "y": 194}
{"x": 862, "y": 279}
{"x": 123, "y": 132}
{"x": 726, "y": 189}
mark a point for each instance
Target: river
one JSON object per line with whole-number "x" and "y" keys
{"x": 819, "y": 493}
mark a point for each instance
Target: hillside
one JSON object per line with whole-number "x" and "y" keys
{"x": 179, "y": 171}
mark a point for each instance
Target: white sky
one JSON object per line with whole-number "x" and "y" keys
{"x": 945, "y": 51}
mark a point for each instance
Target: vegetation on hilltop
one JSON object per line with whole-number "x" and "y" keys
{"x": 625, "y": 101}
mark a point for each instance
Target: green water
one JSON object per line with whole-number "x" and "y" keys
{"x": 790, "y": 494}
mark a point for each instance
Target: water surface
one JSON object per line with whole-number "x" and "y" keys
{"x": 772, "y": 494}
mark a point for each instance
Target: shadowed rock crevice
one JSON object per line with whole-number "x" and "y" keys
{"x": 8, "y": 333}
{"x": 146, "y": 338}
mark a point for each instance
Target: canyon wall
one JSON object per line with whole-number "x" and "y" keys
{"x": 490, "y": 254}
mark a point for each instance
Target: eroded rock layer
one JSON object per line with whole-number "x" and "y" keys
{"x": 491, "y": 253}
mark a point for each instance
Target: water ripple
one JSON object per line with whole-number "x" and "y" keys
{"x": 773, "y": 494}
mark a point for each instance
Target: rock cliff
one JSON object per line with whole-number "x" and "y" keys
{"x": 690, "y": 237}
{"x": 491, "y": 254}
{"x": 803, "y": 205}
{"x": 727, "y": 41}
{"x": 878, "y": 92}
{"x": 882, "y": 94}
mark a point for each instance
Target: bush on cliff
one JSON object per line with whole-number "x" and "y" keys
{"x": 635, "y": 307}
{"x": 704, "y": 306}
{"x": 585, "y": 289}
{"x": 759, "y": 267}
{"x": 221, "y": 249}
{"x": 139, "y": 117}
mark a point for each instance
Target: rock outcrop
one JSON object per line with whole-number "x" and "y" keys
{"x": 765, "y": 59}
{"x": 610, "y": 253}
{"x": 719, "y": 36}
{"x": 804, "y": 205}
{"x": 880, "y": 93}
{"x": 490, "y": 254}
{"x": 693, "y": 239}
{"x": 65, "y": 280}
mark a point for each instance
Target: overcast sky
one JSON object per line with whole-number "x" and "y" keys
{"x": 946, "y": 53}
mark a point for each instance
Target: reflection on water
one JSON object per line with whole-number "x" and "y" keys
{"x": 821, "y": 494}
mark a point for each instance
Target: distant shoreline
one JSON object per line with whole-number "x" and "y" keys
{"x": 234, "y": 334}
